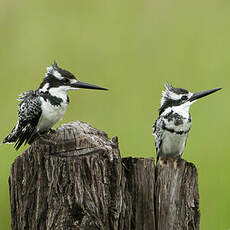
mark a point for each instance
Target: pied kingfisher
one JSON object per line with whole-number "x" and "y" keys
{"x": 173, "y": 124}
{"x": 39, "y": 110}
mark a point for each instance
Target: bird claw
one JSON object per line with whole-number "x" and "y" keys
{"x": 52, "y": 131}
{"x": 44, "y": 140}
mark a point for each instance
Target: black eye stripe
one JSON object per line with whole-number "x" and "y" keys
{"x": 184, "y": 97}
{"x": 65, "y": 80}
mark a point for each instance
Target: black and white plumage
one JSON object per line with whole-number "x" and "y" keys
{"x": 39, "y": 110}
{"x": 172, "y": 127}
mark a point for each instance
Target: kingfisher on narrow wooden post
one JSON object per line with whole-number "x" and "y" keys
{"x": 172, "y": 127}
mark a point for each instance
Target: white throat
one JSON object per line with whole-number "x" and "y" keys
{"x": 60, "y": 92}
{"x": 182, "y": 109}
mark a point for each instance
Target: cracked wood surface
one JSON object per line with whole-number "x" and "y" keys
{"x": 76, "y": 179}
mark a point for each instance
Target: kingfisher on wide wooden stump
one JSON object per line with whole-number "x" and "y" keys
{"x": 40, "y": 109}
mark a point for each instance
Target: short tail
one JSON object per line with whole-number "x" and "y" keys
{"x": 24, "y": 136}
{"x": 20, "y": 136}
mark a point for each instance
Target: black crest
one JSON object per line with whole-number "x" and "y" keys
{"x": 62, "y": 72}
{"x": 56, "y": 76}
{"x": 169, "y": 87}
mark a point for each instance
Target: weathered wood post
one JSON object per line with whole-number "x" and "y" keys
{"x": 177, "y": 196}
{"x": 76, "y": 179}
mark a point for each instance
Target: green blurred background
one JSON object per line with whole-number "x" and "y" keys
{"x": 132, "y": 47}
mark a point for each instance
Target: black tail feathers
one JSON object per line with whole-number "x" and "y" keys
{"x": 20, "y": 136}
{"x": 12, "y": 137}
{"x": 24, "y": 136}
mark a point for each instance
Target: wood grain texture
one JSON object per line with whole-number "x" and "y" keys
{"x": 139, "y": 181}
{"x": 76, "y": 179}
{"x": 177, "y": 196}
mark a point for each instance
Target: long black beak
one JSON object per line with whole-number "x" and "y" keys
{"x": 84, "y": 85}
{"x": 201, "y": 94}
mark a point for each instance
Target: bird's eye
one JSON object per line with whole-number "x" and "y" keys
{"x": 65, "y": 80}
{"x": 184, "y": 98}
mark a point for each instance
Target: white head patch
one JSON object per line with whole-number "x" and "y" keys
{"x": 72, "y": 81}
{"x": 53, "y": 71}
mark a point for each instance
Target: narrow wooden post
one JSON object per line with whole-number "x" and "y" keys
{"x": 177, "y": 196}
{"x": 76, "y": 179}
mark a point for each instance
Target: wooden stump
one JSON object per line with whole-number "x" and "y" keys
{"x": 76, "y": 179}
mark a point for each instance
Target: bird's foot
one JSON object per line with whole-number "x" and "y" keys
{"x": 44, "y": 138}
{"x": 52, "y": 131}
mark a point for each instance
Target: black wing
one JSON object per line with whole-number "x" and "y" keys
{"x": 29, "y": 114}
{"x": 158, "y": 133}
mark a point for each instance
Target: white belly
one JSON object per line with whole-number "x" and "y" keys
{"x": 50, "y": 115}
{"x": 172, "y": 143}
